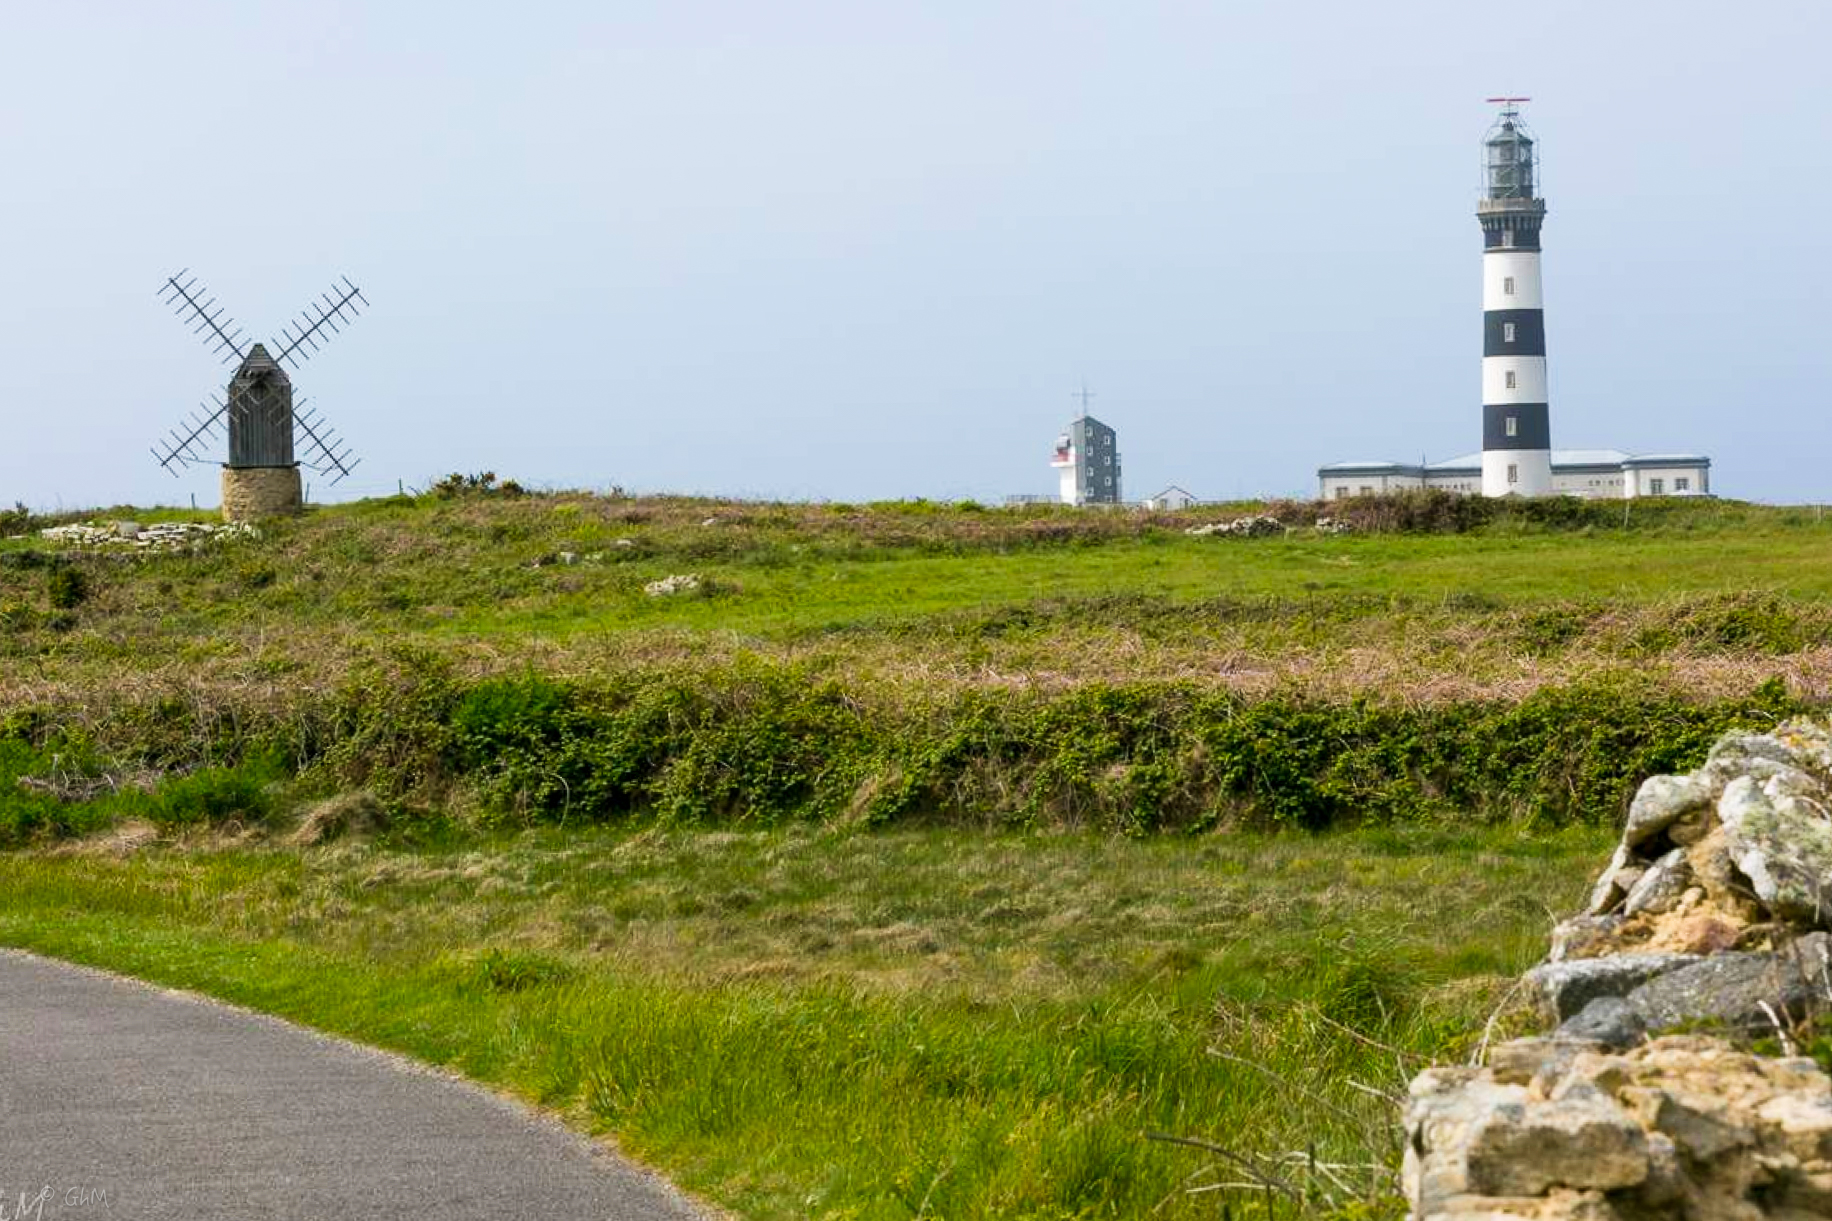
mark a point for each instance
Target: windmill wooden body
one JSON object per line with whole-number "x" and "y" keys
{"x": 266, "y": 428}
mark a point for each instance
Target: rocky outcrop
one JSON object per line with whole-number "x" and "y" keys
{"x": 1711, "y": 919}
{"x": 678, "y": 583}
{"x": 1682, "y": 1127}
{"x": 1241, "y": 527}
{"x": 132, "y": 536}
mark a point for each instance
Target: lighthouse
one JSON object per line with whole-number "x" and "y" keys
{"x": 1516, "y": 433}
{"x": 1517, "y": 457}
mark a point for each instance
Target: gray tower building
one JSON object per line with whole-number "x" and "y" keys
{"x": 1087, "y": 462}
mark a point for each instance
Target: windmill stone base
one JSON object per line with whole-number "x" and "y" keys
{"x": 253, "y": 492}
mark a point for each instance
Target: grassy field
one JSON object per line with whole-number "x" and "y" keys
{"x": 901, "y": 661}
{"x": 800, "y": 1023}
{"x": 915, "y": 865}
{"x": 1696, "y": 595}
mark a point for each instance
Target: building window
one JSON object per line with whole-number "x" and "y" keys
{"x": 1507, "y": 285}
{"x": 1513, "y": 424}
{"x": 1367, "y": 489}
{"x": 1513, "y": 473}
{"x": 1507, "y": 332}
{"x": 1511, "y": 386}
{"x": 1682, "y": 484}
{"x": 1342, "y": 491}
{"x": 1657, "y": 487}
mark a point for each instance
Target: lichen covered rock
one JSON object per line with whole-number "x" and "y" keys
{"x": 1684, "y": 1126}
{"x": 1710, "y": 919}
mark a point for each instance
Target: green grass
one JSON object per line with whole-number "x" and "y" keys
{"x": 916, "y": 601}
{"x": 702, "y": 950}
{"x": 806, "y": 1024}
{"x": 482, "y": 580}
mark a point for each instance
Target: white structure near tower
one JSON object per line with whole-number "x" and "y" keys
{"x": 1517, "y": 457}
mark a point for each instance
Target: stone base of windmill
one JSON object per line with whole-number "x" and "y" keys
{"x": 251, "y": 493}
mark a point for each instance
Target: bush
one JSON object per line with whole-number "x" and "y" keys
{"x": 18, "y": 520}
{"x": 66, "y": 587}
{"x": 761, "y": 743}
{"x": 484, "y": 483}
{"x": 766, "y": 743}
{"x": 215, "y": 795}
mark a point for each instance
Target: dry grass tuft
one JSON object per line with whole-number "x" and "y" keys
{"x": 120, "y": 841}
{"x": 345, "y": 816}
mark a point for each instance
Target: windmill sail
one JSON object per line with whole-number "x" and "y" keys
{"x": 191, "y": 302}
{"x": 261, "y": 422}
{"x": 318, "y": 322}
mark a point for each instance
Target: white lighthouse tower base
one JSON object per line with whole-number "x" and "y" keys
{"x": 1517, "y": 472}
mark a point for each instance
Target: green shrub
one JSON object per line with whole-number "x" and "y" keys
{"x": 764, "y": 743}
{"x": 66, "y": 587}
{"x": 483, "y": 483}
{"x": 18, "y": 520}
{"x": 215, "y": 795}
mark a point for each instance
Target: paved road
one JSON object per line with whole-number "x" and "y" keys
{"x": 120, "y": 1102}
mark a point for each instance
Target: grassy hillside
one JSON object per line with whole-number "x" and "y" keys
{"x": 911, "y": 864}
{"x": 918, "y": 660}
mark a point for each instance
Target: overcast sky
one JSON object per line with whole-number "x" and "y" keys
{"x": 866, "y": 250}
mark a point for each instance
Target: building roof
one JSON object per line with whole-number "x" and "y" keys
{"x": 1667, "y": 460}
{"x": 1174, "y": 488}
{"x": 1562, "y": 460}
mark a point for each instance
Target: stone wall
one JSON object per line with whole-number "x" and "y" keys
{"x": 1709, "y": 929}
{"x": 253, "y": 492}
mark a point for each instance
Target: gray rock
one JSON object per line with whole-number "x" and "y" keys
{"x": 1740, "y": 749}
{"x": 1699, "y": 1134}
{"x": 1562, "y": 989}
{"x": 1666, "y": 1181}
{"x": 1781, "y": 840}
{"x": 1583, "y": 1139}
{"x": 1811, "y": 743}
{"x": 1660, "y": 886}
{"x": 1468, "y": 1135}
{"x": 1731, "y": 990}
{"x": 1543, "y": 1057}
{"x": 1608, "y": 1020}
{"x": 1662, "y": 801}
{"x": 1444, "y": 1106}
{"x": 1757, "y": 756}
{"x": 1581, "y": 936}
{"x": 1611, "y": 886}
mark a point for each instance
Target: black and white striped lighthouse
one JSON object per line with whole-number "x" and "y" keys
{"x": 1516, "y": 433}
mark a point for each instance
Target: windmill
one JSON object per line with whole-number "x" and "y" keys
{"x": 257, "y": 411}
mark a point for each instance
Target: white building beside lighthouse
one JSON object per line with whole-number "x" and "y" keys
{"x": 1517, "y": 458}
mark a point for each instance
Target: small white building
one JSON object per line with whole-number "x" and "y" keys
{"x": 1170, "y": 500}
{"x": 1595, "y": 474}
